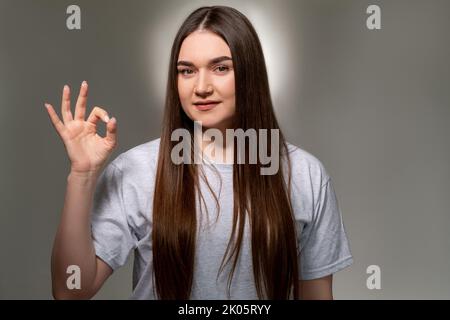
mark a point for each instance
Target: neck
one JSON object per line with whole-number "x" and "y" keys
{"x": 214, "y": 145}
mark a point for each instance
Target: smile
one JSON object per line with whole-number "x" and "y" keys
{"x": 205, "y": 106}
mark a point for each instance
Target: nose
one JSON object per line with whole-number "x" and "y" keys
{"x": 203, "y": 86}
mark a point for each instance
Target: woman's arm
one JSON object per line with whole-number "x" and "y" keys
{"x": 88, "y": 153}
{"x": 317, "y": 289}
{"x": 73, "y": 242}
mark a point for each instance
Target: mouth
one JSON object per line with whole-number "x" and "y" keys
{"x": 205, "y": 105}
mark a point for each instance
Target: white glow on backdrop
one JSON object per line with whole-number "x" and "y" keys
{"x": 161, "y": 34}
{"x": 274, "y": 40}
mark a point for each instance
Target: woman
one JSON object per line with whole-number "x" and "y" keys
{"x": 275, "y": 236}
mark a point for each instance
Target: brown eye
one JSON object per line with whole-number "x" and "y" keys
{"x": 222, "y": 69}
{"x": 185, "y": 72}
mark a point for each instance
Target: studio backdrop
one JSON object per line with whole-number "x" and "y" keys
{"x": 362, "y": 85}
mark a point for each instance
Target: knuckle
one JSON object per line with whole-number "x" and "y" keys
{"x": 112, "y": 143}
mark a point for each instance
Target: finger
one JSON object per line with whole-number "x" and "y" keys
{"x": 111, "y": 131}
{"x": 59, "y": 126}
{"x": 98, "y": 114}
{"x": 65, "y": 105}
{"x": 80, "y": 108}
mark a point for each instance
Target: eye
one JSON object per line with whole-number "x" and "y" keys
{"x": 222, "y": 68}
{"x": 185, "y": 72}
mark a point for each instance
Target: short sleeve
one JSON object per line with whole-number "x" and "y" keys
{"x": 324, "y": 247}
{"x": 112, "y": 236}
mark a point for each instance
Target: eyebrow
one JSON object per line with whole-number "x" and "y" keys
{"x": 211, "y": 62}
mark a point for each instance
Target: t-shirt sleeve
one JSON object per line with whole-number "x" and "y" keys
{"x": 112, "y": 235}
{"x": 324, "y": 247}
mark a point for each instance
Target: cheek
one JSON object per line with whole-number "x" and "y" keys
{"x": 184, "y": 90}
{"x": 184, "y": 96}
{"x": 227, "y": 89}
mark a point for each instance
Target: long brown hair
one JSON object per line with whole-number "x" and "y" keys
{"x": 266, "y": 202}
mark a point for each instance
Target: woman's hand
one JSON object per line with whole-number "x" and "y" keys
{"x": 87, "y": 150}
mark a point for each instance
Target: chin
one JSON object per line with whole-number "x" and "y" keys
{"x": 209, "y": 120}
{"x": 208, "y": 123}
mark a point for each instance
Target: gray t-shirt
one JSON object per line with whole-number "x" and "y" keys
{"x": 122, "y": 222}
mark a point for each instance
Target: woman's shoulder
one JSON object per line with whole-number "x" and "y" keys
{"x": 138, "y": 157}
{"x": 306, "y": 164}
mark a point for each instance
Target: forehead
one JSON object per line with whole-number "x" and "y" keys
{"x": 201, "y": 46}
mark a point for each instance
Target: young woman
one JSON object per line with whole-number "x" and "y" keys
{"x": 273, "y": 236}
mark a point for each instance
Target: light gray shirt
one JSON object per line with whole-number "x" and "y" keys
{"x": 122, "y": 223}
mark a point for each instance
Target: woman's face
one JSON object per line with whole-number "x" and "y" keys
{"x": 206, "y": 80}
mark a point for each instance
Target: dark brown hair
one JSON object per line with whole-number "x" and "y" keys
{"x": 266, "y": 202}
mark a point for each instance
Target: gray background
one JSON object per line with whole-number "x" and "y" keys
{"x": 373, "y": 106}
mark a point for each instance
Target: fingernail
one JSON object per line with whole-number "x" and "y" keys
{"x": 106, "y": 118}
{"x": 46, "y": 105}
{"x": 84, "y": 83}
{"x": 113, "y": 119}
{"x": 66, "y": 87}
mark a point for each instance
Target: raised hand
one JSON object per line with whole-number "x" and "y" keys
{"x": 87, "y": 150}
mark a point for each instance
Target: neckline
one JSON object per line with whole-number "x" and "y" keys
{"x": 224, "y": 167}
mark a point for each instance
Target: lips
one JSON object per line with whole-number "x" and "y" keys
{"x": 205, "y": 105}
